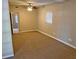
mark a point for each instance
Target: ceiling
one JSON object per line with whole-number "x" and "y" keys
{"x": 34, "y": 2}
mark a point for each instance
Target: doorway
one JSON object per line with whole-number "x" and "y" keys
{"x": 15, "y": 22}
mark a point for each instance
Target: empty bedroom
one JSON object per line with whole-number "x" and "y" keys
{"x": 39, "y": 29}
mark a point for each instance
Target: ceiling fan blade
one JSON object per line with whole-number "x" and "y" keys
{"x": 34, "y": 7}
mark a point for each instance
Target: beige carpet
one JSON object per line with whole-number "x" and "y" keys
{"x": 34, "y": 45}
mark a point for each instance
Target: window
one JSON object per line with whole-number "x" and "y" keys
{"x": 49, "y": 16}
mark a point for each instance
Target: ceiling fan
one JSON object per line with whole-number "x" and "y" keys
{"x": 30, "y": 6}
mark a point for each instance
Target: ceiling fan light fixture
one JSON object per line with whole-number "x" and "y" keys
{"x": 29, "y": 8}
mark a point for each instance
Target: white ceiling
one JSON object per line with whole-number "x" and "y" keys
{"x": 35, "y": 2}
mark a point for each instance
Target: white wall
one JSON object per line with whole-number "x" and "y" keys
{"x": 63, "y": 21}
{"x": 7, "y": 49}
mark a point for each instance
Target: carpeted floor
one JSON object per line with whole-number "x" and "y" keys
{"x": 34, "y": 45}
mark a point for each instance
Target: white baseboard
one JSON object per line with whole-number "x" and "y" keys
{"x": 51, "y": 37}
{"x": 57, "y": 39}
{"x": 7, "y": 56}
{"x": 26, "y": 31}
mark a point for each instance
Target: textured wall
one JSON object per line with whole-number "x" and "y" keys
{"x": 63, "y": 21}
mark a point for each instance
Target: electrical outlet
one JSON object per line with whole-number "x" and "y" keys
{"x": 70, "y": 39}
